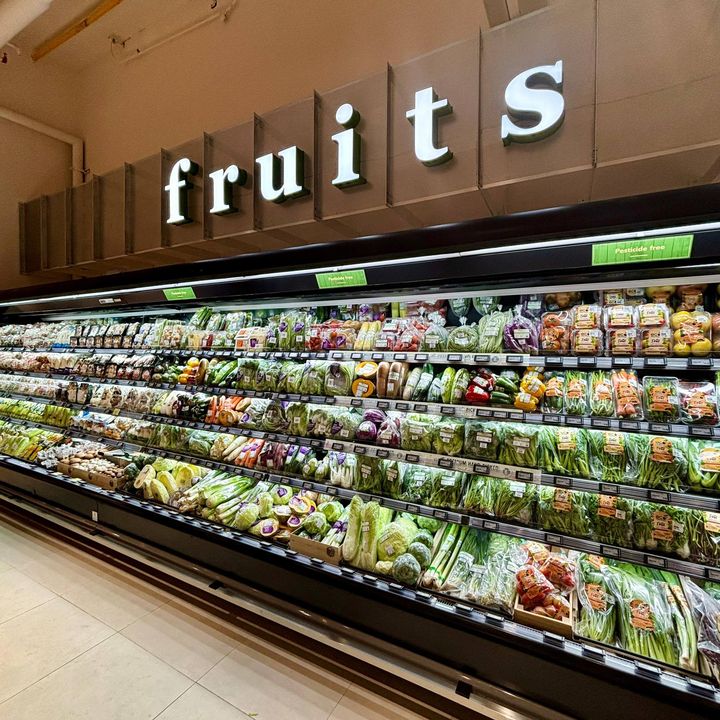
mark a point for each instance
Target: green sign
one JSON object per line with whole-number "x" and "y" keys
{"x": 181, "y": 293}
{"x": 672, "y": 247}
{"x": 346, "y": 278}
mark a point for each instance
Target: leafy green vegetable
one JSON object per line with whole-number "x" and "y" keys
{"x": 313, "y": 377}
{"x": 297, "y": 414}
{"x": 663, "y": 462}
{"x": 448, "y": 437}
{"x": 417, "y": 484}
{"x": 611, "y": 518}
{"x": 447, "y": 489}
{"x": 417, "y": 432}
{"x": 395, "y": 538}
{"x": 564, "y": 511}
{"x": 519, "y": 445}
{"x": 563, "y": 451}
{"x": 704, "y": 466}
{"x": 662, "y": 528}
{"x": 446, "y": 384}
{"x": 339, "y": 378}
{"x": 500, "y": 498}
{"x": 613, "y": 456}
{"x": 351, "y": 544}
{"x": 392, "y": 478}
{"x": 369, "y": 474}
{"x": 661, "y": 399}
{"x": 597, "y": 603}
{"x": 482, "y": 439}
{"x": 406, "y": 569}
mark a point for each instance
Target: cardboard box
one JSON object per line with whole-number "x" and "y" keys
{"x": 312, "y": 548}
{"x": 106, "y": 482}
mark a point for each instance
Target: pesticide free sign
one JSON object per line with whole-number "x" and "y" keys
{"x": 672, "y": 247}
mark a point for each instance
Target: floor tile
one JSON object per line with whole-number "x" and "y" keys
{"x": 41, "y": 640}
{"x": 188, "y": 639}
{"x": 200, "y": 704}
{"x": 270, "y": 685}
{"x": 114, "y": 597}
{"x": 4, "y": 566}
{"x": 116, "y": 680}
{"x": 19, "y": 593}
{"x": 359, "y": 704}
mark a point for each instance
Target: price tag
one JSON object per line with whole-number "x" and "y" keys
{"x": 654, "y": 561}
{"x": 659, "y": 496}
{"x": 402, "y": 406}
{"x": 553, "y": 361}
{"x": 701, "y": 431}
{"x": 446, "y": 463}
{"x": 608, "y": 489}
{"x": 483, "y": 412}
{"x": 399, "y": 356}
{"x": 587, "y": 361}
{"x": 655, "y": 362}
{"x": 421, "y": 357}
{"x": 622, "y": 362}
{"x": 481, "y": 469}
{"x": 659, "y": 427}
{"x": 699, "y": 362}
{"x": 600, "y": 423}
{"x": 629, "y": 425}
{"x": 420, "y": 408}
{"x": 412, "y": 458}
{"x": 356, "y": 402}
{"x": 563, "y": 482}
{"x": 453, "y": 357}
{"x": 377, "y": 356}
{"x": 482, "y": 358}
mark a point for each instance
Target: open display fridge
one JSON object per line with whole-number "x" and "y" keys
{"x": 495, "y": 445}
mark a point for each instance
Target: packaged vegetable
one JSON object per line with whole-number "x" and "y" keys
{"x": 587, "y": 341}
{"x": 521, "y": 335}
{"x": 290, "y": 377}
{"x": 482, "y": 439}
{"x": 564, "y": 511}
{"x": 611, "y": 520}
{"x": 662, "y": 462}
{"x": 596, "y": 602}
{"x": 705, "y": 537}
{"x": 698, "y": 403}
{"x": 519, "y": 445}
{"x": 460, "y": 385}
{"x": 392, "y": 478}
{"x": 653, "y": 315}
{"x": 619, "y": 317}
{"x": 388, "y": 433}
{"x": 601, "y": 394}
{"x": 705, "y": 609}
{"x": 656, "y": 341}
{"x": 345, "y": 423}
{"x": 417, "y": 484}
{"x": 563, "y": 451}
{"x": 532, "y": 586}
{"x": 560, "y": 571}
{"x": 576, "y": 393}
{"x": 587, "y": 317}
{"x": 553, "y": 400}
{"x": 613, "y": 456}
{"x": 485, "y": 304}
{"x": 463, "y": 339}
{"x": 691, "y": 297}
{"x": 297, "y": 414}
{"x": 716, "y": 332}
{"x": 626, "y": 388}
{"x": 435, "y": 338}
{"x": 490, "y": 330}
{"x": 447, "y": 489}
{"x": 313, "y": 377}
{"x": 703, "y": 466}
{"x": 417, "y": 432}
{"x": 660, "y": 294}
{"x": 661, "y": 399}
{"x": 562, "y": 300}
{"x": 339, "y": 378}
{"x": 555, "y": 331}
{"x": 369, "y": 475}
{"x": 532, "y": 306}
{"x": 662, "y": 528}
{"x": 446, "y": 384}
{"x": 448, "y": 436}
{"x": 691, "y": 333}
{"x": 500, "y": 498}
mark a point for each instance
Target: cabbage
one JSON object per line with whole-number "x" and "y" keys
{"x": 339, "y": 378}
{"x": 297, "y": 418}
{"x": 274, "y": 418}
{"x": 375, "y": 416}
{"x": 383, "y": 567}
{"x": 315, "y": 524}
{"x": 388, "y": 434}
{"x": 395, "y": 538}
{"x": 164, "y": 464}
{"x": 424, "y": 537}
{"x": 370, "y": 529}
{"x": 281, "y": 494}
{"x": 345, "y": 424}
{"x": 265, "y": 505}
{"x": 332, "y": 510}
{"x": 246, "y": 516}
{"x": 351, "y": 544}
{"x": 366, "y": 432}
{"x": 320, "y": 420}
{"x": 430, "y": 524}
{"x": 421, "y": 553}
{"x": 406, "y": 569}
{"x": 521, "y": 335}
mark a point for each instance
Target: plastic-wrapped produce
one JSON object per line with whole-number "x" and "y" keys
{"x": 339, "y": 378}
{"x": 576, "y": 393}
{"x": 521, "y": 335}
{"x": 463, "y": 339}
{"x": 661, "y": 399}
{"x": 613, "y": 456}
{"x": 490, "y": 331}
{"x": 555, "y": 333}
{"x": 564, "y": 511}
{"x": 417, "y": 484}
{"x": 601, "y": 394}
{"x": 435, "y": 338}
{"x": 482, "y": 439}
{"x": 447, "y": 489}
{"x": 698, "y": 403}
{"x": 500, "y": 498}
{"x": 628, "y": 395}
{"x": 449, "y": 436}
{"x": 563, "y": 451}
{"x": 417, "y": 432}
{"x": 704, "y": 466}
{"x": 611, "y": 518}
{"x": 519, "y": 445}
{"x": 662, "y": 462}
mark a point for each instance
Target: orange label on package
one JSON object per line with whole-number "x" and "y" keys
{"x": 596, "y": 561}
{"x": 712, "y": 522}
{"x": 698, "y": 402}
{"x": 710, "y": 459}
{"x": 661, "y": 450}
{"x": 566, "y": 439}
{"x": 641, "y": 615}
{"x": 562, "y": 500}
{"x": 554, "y": 387}
{"x": 596, "y": 597}
{"x": 613, "y": 443}
{"x": 662, "y": 526}
{"x": 660, "y": 396}
{"x": 576, "y": 389}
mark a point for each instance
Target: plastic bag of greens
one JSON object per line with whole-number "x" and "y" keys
{"x": 613, "y": 456}
{"x": 662, "y": 528}
{"x": 490, "y": 331}
{"x": 266, "y": 375}
{"x": 417, "y": 432}
{"x": 343, "y": 469}
{"x": 435, "y": 338}
{"x": 320, "y": 420}
{"x": 554, "y": 398}
{"x": 662, "y": 462}
{"x": 705, "y": 609}
{"x": 313, "y": 377}
{"x": 503, "y": 499}
{"x": 704, "y": 535}
{"x": 275, "y": 418}
{"x": 493, "y": 586}
{"x": 564, "y": 511}
{"x": 485, "y": 304}
{"x": 597, "y": 603}
{"x": 704, "y": 466}
{"x": 518, "y": 445}
{"x": 252, "y": 417}
{"x": 482, "y": 439}
{"x": 417, "y": 484}
{"x": 563, "y": 451}
{"x": 246, "y": 370}
{"x": 345, "y": 423}
{"x": 447, "y": 489}
{"x": 601, "y": 394}
{"x": 369, "y": 474}
{"x": 611, "y": 518}
{"x": 449, "y": 436}
{"x": 290, "y": 376}
{"x": 297, "y": 414}
{"x": 463, "y": 338}
{"x": 339, "y": 378}
{"x": 392, "y": 478}
{"x": 660, "y": 395}
{"x": 460, "y": 386}
{"x": 644, "y": 619}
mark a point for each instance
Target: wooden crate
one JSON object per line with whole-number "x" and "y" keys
{"x": 562, "y": 627}
{"x": 312, "y": 548}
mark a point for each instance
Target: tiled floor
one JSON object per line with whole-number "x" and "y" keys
{"x": 81, "y": 640}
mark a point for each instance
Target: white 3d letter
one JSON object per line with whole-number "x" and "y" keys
{"x": 526, "y": 101}
{"x": 424, "y": 117}
{"x": 349, "y": 144}
{"x": 222, "y": 183}
{"x": 293, "y": 175}
{"x": 177, "y": 189}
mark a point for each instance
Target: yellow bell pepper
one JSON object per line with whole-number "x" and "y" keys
{"x": 525, "y": 401}
{"x": 533, "y": 386}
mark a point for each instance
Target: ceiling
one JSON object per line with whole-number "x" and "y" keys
{"x": 140, "y": 23}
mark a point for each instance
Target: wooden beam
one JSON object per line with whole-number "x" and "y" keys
{"x": 55, "y": 41}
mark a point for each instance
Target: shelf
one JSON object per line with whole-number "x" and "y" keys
{"x": 466, "y": 465}
{"x": 442, "y": 358}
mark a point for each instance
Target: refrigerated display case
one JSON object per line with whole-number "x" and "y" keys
{"x": 495, "y": 445}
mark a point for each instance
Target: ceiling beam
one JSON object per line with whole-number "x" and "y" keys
{"x": 59, "y": 38}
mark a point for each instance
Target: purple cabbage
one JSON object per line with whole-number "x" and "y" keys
{"x": 375, "y": 416}
{"x": 388, "y": 434}
{"x": 521, "y": 335}
{"x": 366, "y": 432}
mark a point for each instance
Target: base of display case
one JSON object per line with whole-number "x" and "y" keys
{"x": 476, "y": 648}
